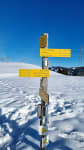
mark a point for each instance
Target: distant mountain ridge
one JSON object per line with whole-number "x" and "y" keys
{"x": 74, "y": 71}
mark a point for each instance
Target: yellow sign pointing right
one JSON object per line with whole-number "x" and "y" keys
{"x": 45, "y": 52}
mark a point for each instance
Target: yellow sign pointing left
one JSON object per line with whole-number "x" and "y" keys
{"x": 34, "y": 73}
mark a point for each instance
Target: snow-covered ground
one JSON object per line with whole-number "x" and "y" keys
{"x": 19, "y": 125}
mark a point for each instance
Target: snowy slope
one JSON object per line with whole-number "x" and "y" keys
{"x": 11, "y": 69}
{"x": 19, "y": 98}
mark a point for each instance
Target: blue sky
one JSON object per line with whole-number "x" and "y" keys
{"x": 22, "y": 22}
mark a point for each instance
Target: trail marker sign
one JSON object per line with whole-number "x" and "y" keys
{"x": 43, "y": 130}
{"x": 43, "y": 41}
{"x": 34, "y": 73}
{"x": 45, "y": 52}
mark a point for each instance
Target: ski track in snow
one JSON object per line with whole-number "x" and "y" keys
{"x": 19, "y": 124}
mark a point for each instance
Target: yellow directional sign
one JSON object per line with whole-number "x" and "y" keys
{"x": 45, "y": 52}
{"x": 33, "y": 73}
{"x": 43, "y": 41}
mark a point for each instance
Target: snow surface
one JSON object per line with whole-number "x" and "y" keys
{"x": 19, "y": 124}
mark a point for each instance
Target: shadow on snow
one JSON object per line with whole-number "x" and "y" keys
{"x": 19, "y": 133}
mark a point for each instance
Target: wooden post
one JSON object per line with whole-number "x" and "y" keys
{"x": 43, "y": 87}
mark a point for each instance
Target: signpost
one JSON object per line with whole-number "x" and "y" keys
{"x": 42, "y": 109}
{"x": 44, "y": 96}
